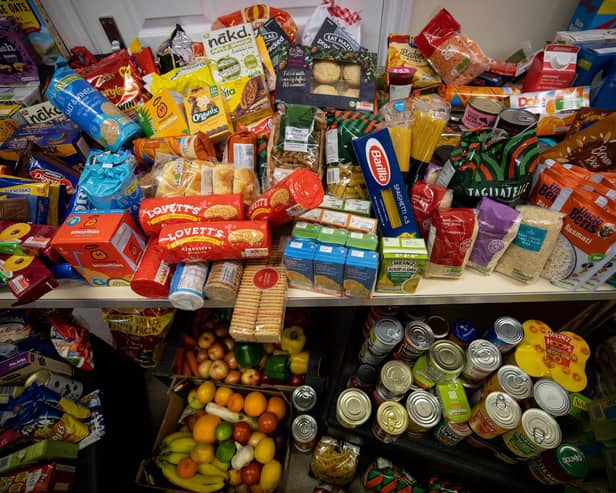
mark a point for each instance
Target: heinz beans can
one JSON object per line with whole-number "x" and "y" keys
{"x": 537, "y": 432}
{"x": 495, "y": 415}
{"x": 564, "y": 464}
{"x": 512, "y": 380}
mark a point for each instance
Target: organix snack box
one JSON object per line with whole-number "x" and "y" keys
{"x": 329, "y": 269}
{"x": 402, "y": 263}
{"x": 360, "y": 271}
{"x": 298, "y": 257}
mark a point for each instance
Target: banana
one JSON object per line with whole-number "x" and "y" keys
{"x": 182, "y": 444}
{"x": 173, "y": 457}
{"x": 221, "y": 466}
{"x": 173, "y": 436}
{"x": 211, "y": 470}
{"x": 198, "y": 483}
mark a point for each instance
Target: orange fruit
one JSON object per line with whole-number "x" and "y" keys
{"x": 235, "y": 402}
{"x": 186, "y": 468}
{"x": 255, "y": 404}
{"x": 206, "y": 391}
{"x": 277, "y": 406}
{"x": 222, "y": 395}
{"x": 235, "y": 477}
{"x": 205, "y": 428}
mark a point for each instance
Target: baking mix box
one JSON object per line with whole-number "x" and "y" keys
{"x": 105, "y": 247}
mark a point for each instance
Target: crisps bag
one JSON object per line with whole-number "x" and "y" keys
{"x": 490, "y": 164}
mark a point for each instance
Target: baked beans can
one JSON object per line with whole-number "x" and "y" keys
{"x": 551, "y": 397}
{"x": 512, "y": 380}
{"x": 304, "y": 430}
{"x": 495, "y": 415}
{"x": 396, "y": 377}
{"x": 377, "y": 312}
{"x": 537, "y": 432}
{"x": 506, "y": 333}
{"x": 353, "y": 408}
{"x": 563, "y": 464}
{"x": 304, "y": 398}
{"x": 391, "y": 422}
{"x": 418, "y": 338}
{"x": 364, "y": 378}
{"x": 482, "y": 112}
{"x": 482, "y": 358}
{"x": 299, "y": 192}
{"x": 463, "y": 332}
{"x": 380, "y": 394}
{"x": 367, "y": 357}
{"x": 439, "y": 326}
{"x": 63, "y": 385}
{"x": 514, "y": 120}
{"x": 424, "y": 412}
{"x": 385, "y": 335}
{"x": 449, "y": 433}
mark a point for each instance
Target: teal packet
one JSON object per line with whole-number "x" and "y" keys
{"x": 298, "y": 259}
{"x": 361, "y": 267}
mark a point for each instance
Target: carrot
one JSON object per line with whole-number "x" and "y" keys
{"x": 189, "y": 340}
{"x": 186, "y": 369}
{"x": 179, "y": 360}
{"x": 191, "y": 359}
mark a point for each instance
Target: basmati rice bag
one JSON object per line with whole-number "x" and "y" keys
{"x": 451, "y": 239}
{"x": 425, "y": 199}
{"x": 586, "y": 242}
{"x": 550, "y": 183}
{"x": 498, "y": 226}
{"x": 528, "y": 253}
{"x": 455, "y": 56}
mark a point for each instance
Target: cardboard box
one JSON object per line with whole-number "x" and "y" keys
{"x": 46, "y": 450}
{"x": 206, "y": 112}
{"x": 402, "y": 264}
{"x": 42, "y": 113}
{"x": 16, "y": 370}
{"x": 298, "y": 259}
{"x": 105, "y": 247}
{"x": 552, "y": 68}
{"x": 593, "y": 14}
{"x": 43, "y": 478}
{"x": 10, "y": 111}
{"x": 163, "y": 115}
{"x": 360, "y": 271}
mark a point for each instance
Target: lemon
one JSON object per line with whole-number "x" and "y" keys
{"x": 270, "y": 475}
{"x": 205, "y": 391}
{"x": 202, "y": 453}
{"x": 265, "y": 450}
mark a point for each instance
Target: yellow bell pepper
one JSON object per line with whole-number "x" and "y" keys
{"x": 293, "y": 339}
{"x": 299, "y": 363}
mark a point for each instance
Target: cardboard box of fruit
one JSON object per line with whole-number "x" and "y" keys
{"x": 214, "y": 438}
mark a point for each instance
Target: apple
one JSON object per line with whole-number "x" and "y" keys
{"x": 204, "y": 368}
{"x": 297, "y": 380}
{"x": 242, "y": 432}
{"x": 231, "y": 361}
{"x": 233, "y": 377}
{"x": 250, "y": 376}
{"x": 219, "y": 370}
{"x": 229, "y": 343}
{"x": 206, "y": 339}
{"x": 216, "y": 351}
{"x": 202, "y": 355}
{"x": 193, "y": 401}
{"x": 221, "y": 331}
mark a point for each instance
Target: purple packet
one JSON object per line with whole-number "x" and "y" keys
{"x": 17, "y": 58}
{"x": 498, "y": 226}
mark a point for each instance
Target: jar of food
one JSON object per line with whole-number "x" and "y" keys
{"x": 390, "y": 422}
{"x": 463, "y": 333}
{"x": 551, "y": 397}
{"x": 385, "y": 335}
{"x": 512, "y": 380}
{"x": 482, "y": 358}
{"x": 495, "y": 415}
{"x": 353, "y": 408}
{"x": 537, "y": 432}
{"x": 563, "y": 464}
{"x": 424, "y": 412}
{"x": 449, "y": 433}
{"x": 304, "y": 430}
{"x": 418, "y": 338}
{"x": 506, "y": 333}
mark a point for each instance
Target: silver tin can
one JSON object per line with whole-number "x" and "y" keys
{"x": 385, "y": 335}
{"x": 439, "y": 326}
{"x": 551, "y": 397}
{"x": 304, "y": 398}
{"x": 418, "y": 338}
{"x": 367, "y": 357}
{"x": 424, "y": 413}
{"x": 445, "y": 361}
{"x": 396, "y": 377}
{"x": 364, "y": 378}
{"x": 512, "y": 380}
{"x": 536, "y": 433}
{"x": 482, "y": 358}
{"x": 506, "y": 333}
{"x": 304, "y": 430}
{"x": 451, "y": 434}
{"x": 353, "y": 408}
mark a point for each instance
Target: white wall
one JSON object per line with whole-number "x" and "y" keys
{"x": 499, "y": 26}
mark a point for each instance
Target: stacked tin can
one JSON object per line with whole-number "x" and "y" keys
{"x": 304, "y": 427}
{"x": 384, "y": 336}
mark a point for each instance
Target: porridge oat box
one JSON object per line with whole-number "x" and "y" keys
{"x": 236, "y": 66}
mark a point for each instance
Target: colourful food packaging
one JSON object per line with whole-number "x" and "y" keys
{"x": 305, "y": 230}
{"x": 39, "y": 393}
{"x": 550, "y": 181}
{"x": 560, "y": 356}
{"x": 217, "y": 240}
{"x": 18, "y": 60}
{"x": 158, "y": 212}
{"x": 425, "y": 199}
{"x": 337, "y": 219}
{"x": 456, "y": 408}
{"x": 26, "y": 277}
{"x": 206, "y": 112}
{"x": 402, "y": 263}
{"x": 163, "y": 116}
{"x": 298, "y": 259}
{"x": 42, "y": 167}
{"x": 153, "y": 276}
{"x": 198, "y": 146}
{"x": 329, "y": 269}
{"x": 27, "y": 239}
{"x": 332, "y": 236}
{"x": 72, "y": 342}
{"x": 360, "y": 269}
{"x": 353, "y": 206}
{"x": 383, "y": 474}
{"x": 41, "y": 113}
{"x": 401, "y": 53}
{"x": 363, "y": 241}
{"x": 459, "y": 96}
{"x": 46, "y": 450}
{"x": 585, "y": 117}
{"x": 89, "y": 109}
{"x": 105, "y": 247}
{"x": 16, "y": 370}
{"x": 385, "y": 183}
{"x": 257, "y": 15}
{"x": 42, "y": 478}
{"x": 552, "y": 68}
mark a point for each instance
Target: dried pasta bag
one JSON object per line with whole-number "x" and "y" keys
{"x": 451, "y": 238}
{"x": 401, "y": 53}
{"x": 498, "y": 226}
{"x": 334, "y": 462}
{"x": 527, "y": 255}
{"x": 455, "y": 56}
{"x": 425, "y": 199}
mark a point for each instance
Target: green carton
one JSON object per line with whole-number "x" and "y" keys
{"x": 402, "y": 263}
{"x": 45, "y": 451}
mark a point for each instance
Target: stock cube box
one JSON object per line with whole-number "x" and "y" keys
{"x": 104, "y": 246}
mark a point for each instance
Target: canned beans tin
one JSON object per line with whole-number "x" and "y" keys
{"x": 353, "y": 408}
{"x": 564, "y": 464}
{"x": 367, "y": 357}
{"x": 364, "y": 378}
{"x": 481, "y": 112}
{"x": 390, "y": 422}
{"x": 506, "y": 333}
{"x": 439, "y": 326}
{"x": 444, "y": 361}
{"x": 537, "y": 432}
{"x": 418, "y": 337}
{"x": 385, "y": 335}
{"x": 304, "y": 398}
{"x": 512, "y": 380}
{"x": 424, "y": 412}
{"x": 451, "y": 434}
{"x": 396, "y": 377}
{"x": 304, "y": 430}
{"x": 495, "y": 415}
{"x": 551, "y": 397}
{"x": 482, "y": 358}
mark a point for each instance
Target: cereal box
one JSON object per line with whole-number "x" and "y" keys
{"x": 329, "y": 269}
{"x": 105, "y": 247}
{"x": 239, "y": 72}
{"x": 402, "y": 263}
{"x": 298, "y": 258}
{"x": 360, "y": 271}
{"x": 206, "y": 112}
{"x": 163, "y": 116}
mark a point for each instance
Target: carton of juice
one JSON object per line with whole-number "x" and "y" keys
{"x": 402, "y": 263}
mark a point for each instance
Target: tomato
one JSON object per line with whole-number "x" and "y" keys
{"x": 241, "y": 432}
{"x": 267, "y": 422}
{"x": 251, "y": 473}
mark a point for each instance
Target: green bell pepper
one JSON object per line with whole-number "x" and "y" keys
{"x": 277, "y": 367}
{"x": 248, "y": 354}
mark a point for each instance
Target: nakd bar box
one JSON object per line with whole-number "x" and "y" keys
{"x": 104, "y": 246}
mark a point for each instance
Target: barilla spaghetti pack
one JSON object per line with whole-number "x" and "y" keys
{"x": 390, "y": 200}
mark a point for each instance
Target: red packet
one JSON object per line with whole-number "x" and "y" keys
{"x": 553, "y": 68}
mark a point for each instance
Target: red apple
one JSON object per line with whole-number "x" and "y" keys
{"x": 241, "y": 432}
{"x": 229, "y": 343}
{"x": 221, "y": 331}
{"x": 297, "y": 380}
{"x": 231, "y": 361}
{"x": 202, "y": 355}
{"x": 206, "y": 339}
{"x": 233, "y": 377}
{"x": 250, "y": 376}
{"x": 204, "y": 368}
{"x": 219, "y": 369}
{"x": 216, "y": 351}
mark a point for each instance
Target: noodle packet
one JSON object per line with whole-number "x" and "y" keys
{"x": 455, "y": 56}
{"x": 452, "y": 235}
{"x": 498, "y": 226}
{"x": 527, "y": 255}
{"x": 425, "y": 199}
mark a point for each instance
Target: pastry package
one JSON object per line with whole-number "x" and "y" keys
{"x": 179, "y": 177}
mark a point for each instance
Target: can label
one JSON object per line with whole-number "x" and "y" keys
{"x": 407, "y": 352}
{"x": 381, "y": 434}
{"x": 366, "y": 356}
{"x": 446, "y": 434}
{"x": 305, "y": 446}
{"x": 541, "y": 473}
{"x": 477, "y": 118}
{"x": 421, "y": 376}
{"x": 482, "y": 424}
{"x": 522, "y": 446}
{"x": 473, "y": 373}
{"x": 355, "y": 382}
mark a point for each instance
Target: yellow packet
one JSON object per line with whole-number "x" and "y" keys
{"x": 183, "y": 79}
{"x": 266, "y": 61}
{"x": 206, "y": 111}
{"x": 405, "y": 55}
{"x": 162, "y": 116}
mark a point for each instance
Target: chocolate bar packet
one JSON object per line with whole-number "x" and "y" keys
{"x": 39, "y": 393}
{"x": 330, "y": 36}
{"x": 276, "y": 41}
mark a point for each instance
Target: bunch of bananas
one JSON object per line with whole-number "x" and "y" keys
{"x": 211, "y": 477}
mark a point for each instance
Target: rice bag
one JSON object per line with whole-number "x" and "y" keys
{"x": 425, "y": 199}
{"x": 498, "y": 226}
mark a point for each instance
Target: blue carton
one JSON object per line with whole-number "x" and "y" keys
{"x": 298, "y": 258}
{"x": 360, "y": 273}
{"x": 390, "y": 199}
{"x": 329, "y": 269}
{"x": 593, "y": 14}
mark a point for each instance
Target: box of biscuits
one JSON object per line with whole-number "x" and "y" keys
{"x": 328, "y": 77}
